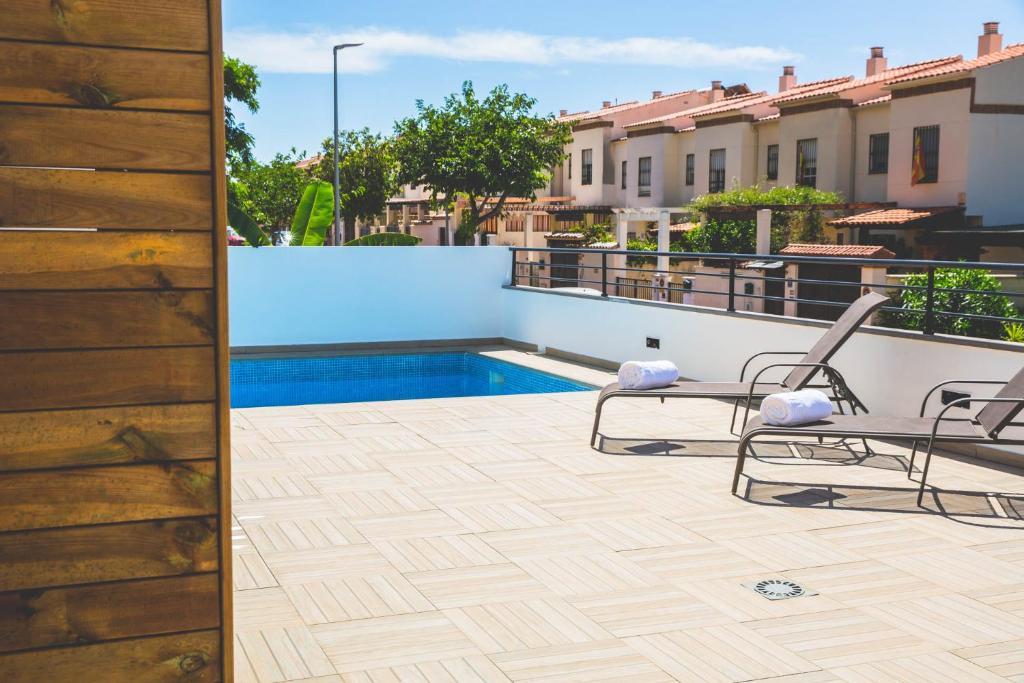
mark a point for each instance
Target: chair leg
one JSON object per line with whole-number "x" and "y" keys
{"x": 732, "y": 422}
{"x": 924, "y": 470}
{"x": 597, "y": 422}
{"x": 741, "y": 455}
{"x": 913, "y": 454}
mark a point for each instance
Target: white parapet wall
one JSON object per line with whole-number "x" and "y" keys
{"x": 281, "y": 296}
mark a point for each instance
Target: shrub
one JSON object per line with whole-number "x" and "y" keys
{"x": 989, "y": 303}
{"x": 724, "y": 237}
{"x": 754, "y": 195}
{"x": 385, "y": 239}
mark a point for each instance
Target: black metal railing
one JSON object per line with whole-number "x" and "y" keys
{"x": 815, "y": 287}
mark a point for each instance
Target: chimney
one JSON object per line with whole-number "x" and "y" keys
{"x": 656, "y": 94}
{"x": 991, "y": 40}
{"x": 877, "y": 63}
{"x": 563, "y": 112}
{"x": 606, "y": 104}
{"x": 717, "y": 92}
{"x": 788, "y": 78}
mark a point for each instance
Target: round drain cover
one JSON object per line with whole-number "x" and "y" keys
{"x": 779, "y": 589}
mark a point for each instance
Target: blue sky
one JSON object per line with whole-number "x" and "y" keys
{"x": 569, "y": 54}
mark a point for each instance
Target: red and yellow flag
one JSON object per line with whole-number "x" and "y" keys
{"x": 917, "y": 173}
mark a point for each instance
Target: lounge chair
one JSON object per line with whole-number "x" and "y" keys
{"x": 799, "y": 377}
{"x": 985, "y": 427}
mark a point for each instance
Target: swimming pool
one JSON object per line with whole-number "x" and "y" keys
{"x": 390, "y": 377}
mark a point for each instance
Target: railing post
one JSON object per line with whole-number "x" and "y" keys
{"x": 514, "y": 279}
{"x": 929, "y": 303}
{"x": 604, "y": 275}
{"x": 732, "y": 285}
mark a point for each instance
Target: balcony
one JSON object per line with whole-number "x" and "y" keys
{"x": 481, "y": 538}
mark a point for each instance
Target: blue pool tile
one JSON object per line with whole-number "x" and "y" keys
{"x": 390, "y": 377}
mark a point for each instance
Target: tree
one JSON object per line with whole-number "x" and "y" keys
{"x": 485, "y": 150}
{"x": 269, "y": 193}
{"x": 240, "y": 85}
{"x": 368, "y": 175}
{"x": 984, "y": 299}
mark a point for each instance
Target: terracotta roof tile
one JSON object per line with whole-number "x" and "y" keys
{"x": 693, "y": 111}
{"x": 893, "y": 216}
{"x": 619, "y": 108}
{"x": 881, "y": 78}
{"x": 849, "y": 250}
{"x": 876, "y": 100}
{"x": 961, "y": 66}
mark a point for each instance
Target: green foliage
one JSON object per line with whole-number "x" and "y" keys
{"x": 367, "y": 175}
{"x": 754, "y": 195}
{"x": 245, "y": 226}
{"x": 240, "y": 85}
{"x": 990, "y": 303}
{"x": 487, "y": 150}
{"x": 385, "y": 239}
{"x": 314, "y": 215}
{"x": 1013, "y": 332}
{"x": 596, "y": 233}
{"x": 723, "y": 237}
{"x": 269, "y": 193}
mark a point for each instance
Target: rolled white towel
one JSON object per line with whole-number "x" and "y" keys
{"x": 636, "y": 374}
{"x": 795, "y": 408}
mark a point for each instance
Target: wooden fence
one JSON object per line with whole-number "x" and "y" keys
{"x": 114, "y": 482}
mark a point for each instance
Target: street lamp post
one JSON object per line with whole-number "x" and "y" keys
{"x": 337, "y": 174}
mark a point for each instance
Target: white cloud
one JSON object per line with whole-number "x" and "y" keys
{"x": 293, "y": 52}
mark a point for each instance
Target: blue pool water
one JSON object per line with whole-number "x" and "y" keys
{"x": 391, "y": 377}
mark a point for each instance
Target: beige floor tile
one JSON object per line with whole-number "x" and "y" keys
{"x": 843, "y": 637}
{"x": 520, "y": 469}
{"x": 634, "y": 533}
{"x": 354, "y": 481}
{"x": 479, "y": 585}
{"x": 882, "y": 539}
{"x": 950, "y": 621}
{"x": 279, "y": 653}
{"x": 451, "y": 474}
{"x": 575, "y": 575}
{"x": 556, "y": 487}
{"x": 1003, "y": 659}
{"x": 316, "y": 464}
{"x": 736, "y": 598}
{"x": 695, "y": 561}
{"x": 262, "y": 487}
{"x": 794, "y": 550}
{"x": 249, "y": 571}
{"x": 303, "y": 534}
{"x": 501, "y": 516}
{"x": 477, "y": 669}
{"x": 957, "y": 569}
{"x": 606, "y": 660}
{"x": 409, "y": 525}
{"x": 1007, "y": 598}
{"x": 598, "y": 507}
{"x": 489, "y": 452}
{"x": 396, "y": 641}
{"x": 644, "y": 611}
{"x": 375, "y": 502}
{"x": 470, "y": 494}
{"x": 356, "y": 597}
{"x": 863, "y": 583}
{"x": 522, "y": 625}
{"x": 719, "y": 653}
{"x": 438, "y": 552}
{"x": 263, "y": 607}
{"x": 940, "y": 667}
{"x": 305, "y": 566}
{"x": 523, "y": 544}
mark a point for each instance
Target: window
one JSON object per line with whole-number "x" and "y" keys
{"x": 623, "y": 175}
{"x": 570, "y": 167}
{"x": 690, "y": 162}
{"x": 587, "y": 161}
{"x": 878, "y": 153}
{"x": 643, "y": 188}
{"x": 807, "y": 162}
{"x": 773, "y": 162}
{"x": 716, "y": 171}
{"x": 925, "y": 165}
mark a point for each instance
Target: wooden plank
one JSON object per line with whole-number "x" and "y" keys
{"x": 178, "y": 658}
{"x": 106, "y": 436}
{"x": 32, "y": 73}
{"x": 61, "y": 557}
{"x": 93, "y": 260}
{"x": 102, "y": 495}
{"x": 53, "y": 198}
{"x": 180, "y": 25}
{"x": 87, "y": 138}
{"x": 45, "y": 380}
{"x": 89, "y": 614}
{"x": 91, "y": 320}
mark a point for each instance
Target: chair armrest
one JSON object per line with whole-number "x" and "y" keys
{"x": 835, "y": 377}
{"x": 769, "y": 353}
{"x": 924, "y": 403}
{"x": 957, "y": 402}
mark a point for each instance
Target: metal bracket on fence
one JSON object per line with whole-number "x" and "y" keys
{"x": 604, "y": 275}
{"x": 732, "y": 285}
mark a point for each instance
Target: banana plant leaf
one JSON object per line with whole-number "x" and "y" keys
{"x": 245, "y": 226}
{"x": 314, "y": 215}
{"x": 385, "y": 239}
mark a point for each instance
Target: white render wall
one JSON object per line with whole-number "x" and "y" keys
{"x": 996, "y": 147}
{"x": 295, "y": 296}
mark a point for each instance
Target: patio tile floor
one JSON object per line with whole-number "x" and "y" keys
{"x": 481, "y": 539}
